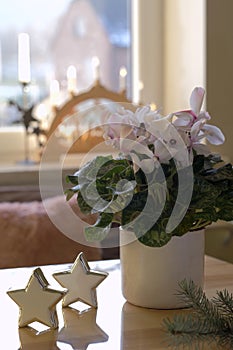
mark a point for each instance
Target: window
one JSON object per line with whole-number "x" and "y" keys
{"x": 68, "y": 32}
{"x": 168, "y": 55}
{"x": 62, "y": 34}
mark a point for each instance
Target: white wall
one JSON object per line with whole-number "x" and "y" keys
{"x": 184, "y": 54}
{"x": 171, "y": 51}
{"x": 150, "y": 50}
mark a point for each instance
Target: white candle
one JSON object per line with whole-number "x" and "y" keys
{"x": 140, "y": 89}
{"x": 54, "y": 92}
{"x": 24, "y": 70}
{"x": 123, "y": 74}
{"x": 71, "y": 78}
{"x": 96, "y": 67}
{"x": 153, "y": 106}
{"x": 41, "y": 114}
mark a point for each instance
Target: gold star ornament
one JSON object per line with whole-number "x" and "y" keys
{"x": 81, "y": 282}
{"x": 37, "y": 302}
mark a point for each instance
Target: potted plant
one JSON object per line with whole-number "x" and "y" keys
{"x": 162, "y": 190}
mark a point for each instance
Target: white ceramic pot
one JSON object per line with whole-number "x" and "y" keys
{"x": 150, "y": 275}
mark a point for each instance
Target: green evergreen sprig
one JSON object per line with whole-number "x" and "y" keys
{"x": 210, "y": 322}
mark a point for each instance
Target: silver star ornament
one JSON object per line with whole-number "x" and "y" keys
{"x": 37, "y": 302}
{"x": 81, "y": 282}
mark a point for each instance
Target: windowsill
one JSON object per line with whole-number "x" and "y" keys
{"x": 13, "y": 128}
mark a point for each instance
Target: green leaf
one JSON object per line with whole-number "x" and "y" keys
{"x": 100, "y": 229}
{"x": 84, "y": 207}
{"x": 125, "y": 187}
{"x": 155, "y": 237}
{"x": 90, "y": 169}
{"x": 94, "y": 234}
{"x": 219, "y": 174}
{"x": 72, "y": 178}
{"x": 69, "y": 194}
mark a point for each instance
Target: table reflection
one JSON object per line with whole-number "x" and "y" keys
{"x": 31, "y": 339}
{"x": 143, "y": 326}
{"x": 81, "y": 329}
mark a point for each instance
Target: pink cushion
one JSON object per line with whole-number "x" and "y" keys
{"x": 29, "y": 237}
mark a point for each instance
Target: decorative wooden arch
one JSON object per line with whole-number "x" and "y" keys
{"x": 96, "y": 92}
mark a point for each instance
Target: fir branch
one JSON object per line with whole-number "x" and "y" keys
{"x": 225, "y": 341}
{"x": 224, "y": 301}
{"x": 206, "y": 310}
{"x": 210, "y": 320}
{"x": 188, "y": 332}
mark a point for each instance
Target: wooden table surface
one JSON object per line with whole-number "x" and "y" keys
{"x": 115, "y": 325}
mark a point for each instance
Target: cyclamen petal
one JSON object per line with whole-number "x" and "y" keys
{"x": 136, "y": 161}
{"x": 213, "y": 134}
{"x": 147, "y": 165}
{"x": 162, "y": 151}
{"x": 126, "y": 145}
{"x": 196, "y": 128}
{"x": 115, "y": 119}
{"x": 182, "y": 118}
{"x": 196, "y": 99}
{"x": 125, "y": 130}
{"x": 150, "y": 117}
{"x": 160, "y": 128}
{"x": 204, "y": 115}
{"x": 113, "y": 129}
{"x": 142, "y": 149}
{"x": 141, "y": 113}
{"x": 201, "y": 148}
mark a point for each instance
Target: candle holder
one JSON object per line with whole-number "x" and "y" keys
{"x": 27, "y": 118}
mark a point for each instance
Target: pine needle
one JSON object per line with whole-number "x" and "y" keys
{"x": 210, "y": 321}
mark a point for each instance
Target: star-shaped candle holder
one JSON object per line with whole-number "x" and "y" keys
{"x": 37, "y": 302}
{"x": 81, "y": 282}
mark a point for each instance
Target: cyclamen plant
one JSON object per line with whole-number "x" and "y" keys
{"x": 165, "y": 181}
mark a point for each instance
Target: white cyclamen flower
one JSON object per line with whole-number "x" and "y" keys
{"x": 194, "y": 123}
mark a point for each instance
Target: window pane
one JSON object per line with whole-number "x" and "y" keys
{"x": 62, "y": 33}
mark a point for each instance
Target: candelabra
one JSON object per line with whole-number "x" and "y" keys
{"x": 27, "y": 118}
{"x": 25, "y": 89}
